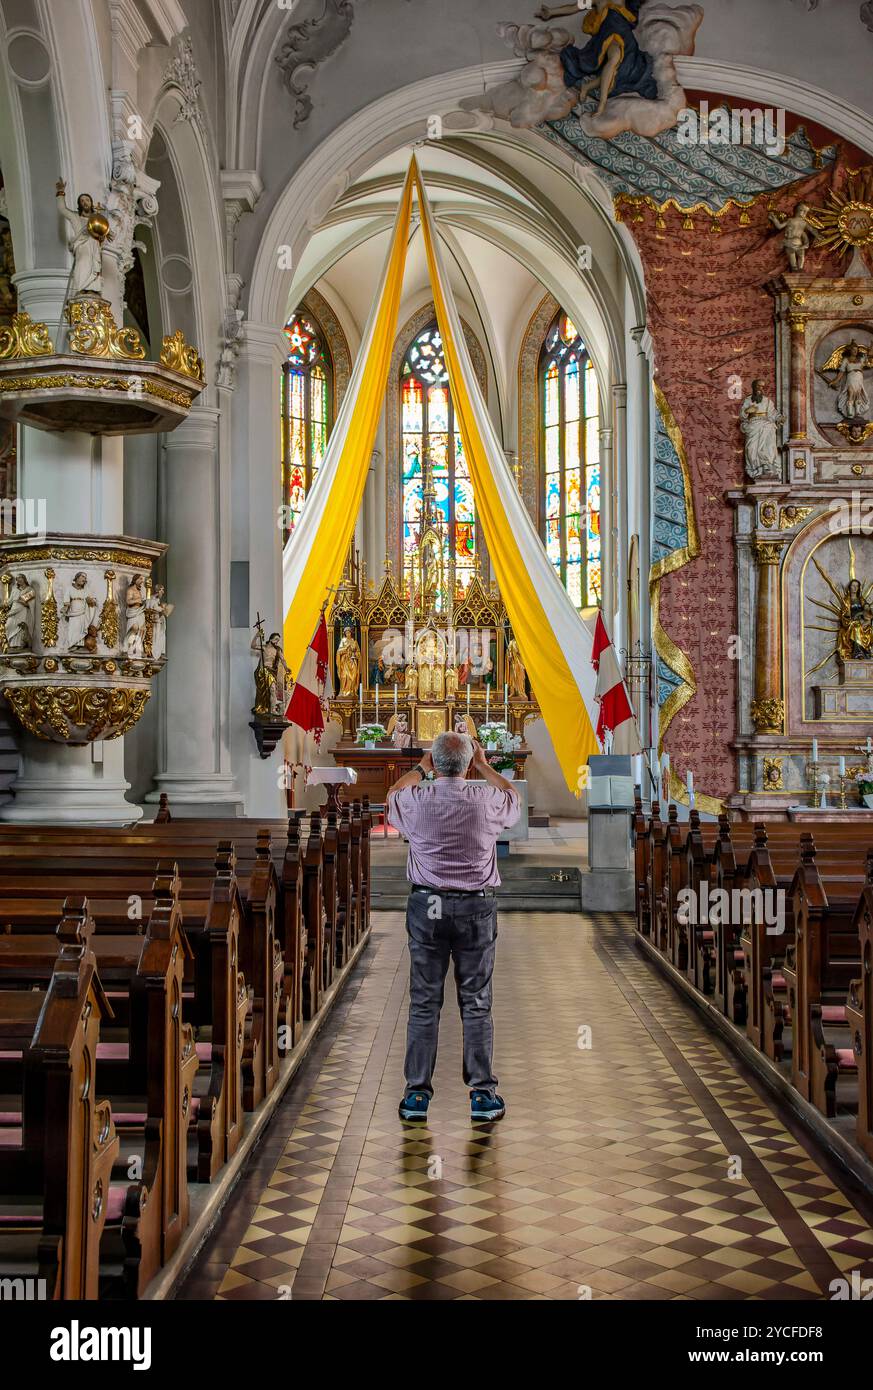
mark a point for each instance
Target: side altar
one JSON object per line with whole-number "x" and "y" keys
{"x": 803, "y": 534}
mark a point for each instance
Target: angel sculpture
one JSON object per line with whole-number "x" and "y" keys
{"x": 799, "y": 229}
{"x": 848, "y": 363}
{"x": 398, "y": 730}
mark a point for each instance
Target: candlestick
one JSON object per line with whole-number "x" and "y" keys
{"x": 842, "y": 786}
{"x": 812, "y": 772}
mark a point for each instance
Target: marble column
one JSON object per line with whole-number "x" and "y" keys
{"x": 79, "y": 478}
{"x": 194, "y": 751}
{"x": 767, "y": 709}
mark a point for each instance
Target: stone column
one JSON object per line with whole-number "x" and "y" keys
{"x": 257, "y": 540}
{"x": 195, "y": 756}
{"x": 608, "y": 536}
{"x": 767, "y": 709}
{"x": 80, "y": 478}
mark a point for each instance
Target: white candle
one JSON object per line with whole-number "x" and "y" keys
{"x": 377, "y": 704}
{"x": 395, "y": 697}
{"x": 815, "y": 750}
{"x": 689, "y": 782}
{"x": 506, "y": 705}
{"x": 869, "y": 746}
{"x": 361, "y": 702}
{"x": 487, "y": 701}
{"x": 468, "y": 694}
{"x": 842, "y": 767}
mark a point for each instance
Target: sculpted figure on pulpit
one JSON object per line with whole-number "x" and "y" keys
{"x": 759, "y": 419}
{"x": 134, "y": 638}
{"x": 79, "y": 611}
{"x": 19, "y": 619}
{"x": 89, "y": 229}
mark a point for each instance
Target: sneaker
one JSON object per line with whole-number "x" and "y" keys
{"x": 484, "y": 1106}
{"x": 414, "y": 1106}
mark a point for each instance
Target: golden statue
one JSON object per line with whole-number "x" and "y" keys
{"x": 410, "y": 680}
{"x": 851, "y": 614}
{"x": 451, "y": 682}
{"x": 515, "y": 672}
{"x": 430, "y": 656}
{"x": 431, "y": 565}
{"x": 348, "y": 663}
{"x": 270, "y": 674}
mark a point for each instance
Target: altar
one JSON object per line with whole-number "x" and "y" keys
{"x": 380, "y": 767}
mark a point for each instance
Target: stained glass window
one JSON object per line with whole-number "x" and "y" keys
{"x": 570, "y": 434}
{"x": 306, "y": 414}
{"x": 429, "y": 430}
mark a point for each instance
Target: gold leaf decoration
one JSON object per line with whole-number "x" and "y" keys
{"x": 180, "y": 356}
{"x": 96, "y": 334}
{"x": 24, "y": 338}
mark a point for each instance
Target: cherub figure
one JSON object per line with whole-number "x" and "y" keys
{"x": 800, "y": 233}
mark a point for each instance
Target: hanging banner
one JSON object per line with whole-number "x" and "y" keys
{"x": 316, "y": 552}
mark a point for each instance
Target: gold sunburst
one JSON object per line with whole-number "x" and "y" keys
{"x": 847, "y": 221}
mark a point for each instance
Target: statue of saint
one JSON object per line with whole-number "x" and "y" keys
{"x": 157, "y": 613}
{"x": 270, "y": 674}
{"x": 431, "y": 565}
{"x": 410, "y": 681}
{"x": 78, "y": 611}
{"x": 515, "y": 672}
{"x": 759, "y": 419}
{"x": 134, "y": 636}
{"x": 611, "y": 59}
{"x": 451, "y": 682}
{"x": 19, "y": 619}
{"x": 431, "y": 667}
{"x": 348, "y": 663}
{"x": 848, "y": 365}
{"x": 855, "y": 638}
{"x": 799, "y": 232}
{"x": 86, "y": 242}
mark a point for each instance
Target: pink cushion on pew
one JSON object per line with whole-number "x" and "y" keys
{"x": 112, "y": 1052}
{"x": 22, "y": 1217}
{"x": 10, "y": 1117}
{"x": 129, "y": 1117}
{"x": 846, "y": 1059}
{"x": 10, "y": 1138}
{"x": 11, "y": 1056}
{"x": 115, "y": 1202}
{"x": 833, "y": 1013}
{"x": 777, "y": 981}
{"x": 204, "y": 1051}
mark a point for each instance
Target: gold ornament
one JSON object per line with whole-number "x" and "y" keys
{"x": 768, "y": 716}
{"x": 24, "y": 338}
{"x": 49, "y": 616}
{"x": 180, "y": 356}
{"x": 773, "y": 775}
{"x": 96, "y": 334}
{"x": 847, "y": 221}
{"x": 108, "y": 625}
{"x": 792, "y": 516}
{"x": 76, "y": 715}
{"x": 768, "y": 552}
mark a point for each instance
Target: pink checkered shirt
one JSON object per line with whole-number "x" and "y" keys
{"x": 452, "y": 827}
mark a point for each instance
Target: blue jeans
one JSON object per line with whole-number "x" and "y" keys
{"x": 463, "y": 929}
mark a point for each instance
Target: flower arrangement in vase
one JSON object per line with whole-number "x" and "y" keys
{"x": 369, "y": 735}
{"x": 501, "y": 747}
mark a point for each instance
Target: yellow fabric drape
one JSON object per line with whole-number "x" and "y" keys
{"x": 554, "y": 686}
{"x": 339, "y": 510}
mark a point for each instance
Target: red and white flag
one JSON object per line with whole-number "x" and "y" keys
{"x": 312, "y": 687}
{"x": 616, "y": 714}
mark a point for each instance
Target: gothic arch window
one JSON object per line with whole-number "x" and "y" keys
{"x": 307, "y": 412}
{"x": 429, "y": 434}
{"x": 570, "y": 455}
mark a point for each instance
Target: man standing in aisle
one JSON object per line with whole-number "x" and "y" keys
{"x": 452, "y": 827}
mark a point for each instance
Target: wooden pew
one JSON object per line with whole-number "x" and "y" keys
{"x": 859, "y": 1015}
{"x": 55, "y": 1168}
{"x": 216, "y": 999}
{"x": 819, "y": 967}
{"x": 146, "y": 1064}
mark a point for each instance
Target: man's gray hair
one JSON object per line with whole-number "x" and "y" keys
{"x": 452, "y": 754}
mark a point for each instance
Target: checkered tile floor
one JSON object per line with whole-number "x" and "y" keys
{"x": 635, "y": 1162}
